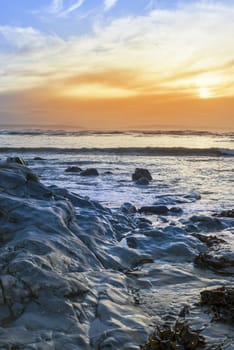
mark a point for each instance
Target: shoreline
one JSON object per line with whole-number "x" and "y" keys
{"x": 76, "y": 274}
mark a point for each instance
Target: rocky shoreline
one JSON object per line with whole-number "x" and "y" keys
{"x": 73, "y": 272}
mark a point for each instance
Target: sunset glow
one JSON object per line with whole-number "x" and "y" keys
{"x": 145, "y": 59}
{"x": 204, "y": 92}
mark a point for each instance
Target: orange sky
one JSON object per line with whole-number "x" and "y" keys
{"x": 167, "y": 69}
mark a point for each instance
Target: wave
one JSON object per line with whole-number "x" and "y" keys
{"x": 61, "y": 132}
{"x": 136, "y": 151}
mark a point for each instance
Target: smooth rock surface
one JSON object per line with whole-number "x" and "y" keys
{"x": 61, "y": 285}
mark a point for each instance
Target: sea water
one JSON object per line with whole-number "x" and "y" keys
{"x": 181, "y": 162}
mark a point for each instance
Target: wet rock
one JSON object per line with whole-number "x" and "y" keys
{"x": 193, "y": 196}
{"x": 207, "y": 223}
{"x": 17, "y": 160}
{"x": 154, "y": 209}
{"x": 176, "y": 211}
{"x": 225, "y": 214}
{"x": 61, "y": 269}
{"x": 128, "y": 208}
{"x": 142, "y": 181}
{"x": 38, "y": 158}
{"x": 142, "y": 222}
{"x": 132, "y": 242}
{"x": 108, "y": 173}
{"x": 219, "y": 261}
{"x": 73, "y": 169}
{"x": 89, "y": 172}
{"x": 220, "y": 301}
{"x": 141, "y": 173}
{"x": 209, "y": 240}
{"x": 180, "y": 336}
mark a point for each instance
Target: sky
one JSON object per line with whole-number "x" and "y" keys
{"x": 117, "y": 64}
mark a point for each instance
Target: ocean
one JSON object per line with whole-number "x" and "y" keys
{"x": 184, "y": 250}
{"x": 181, "y": 162}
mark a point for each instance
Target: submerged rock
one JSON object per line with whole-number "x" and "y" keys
{"x": 141, "y": 173}
{"x": 89, "y": 172}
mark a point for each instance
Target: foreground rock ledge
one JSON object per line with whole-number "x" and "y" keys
{"x": 61, "y": 285}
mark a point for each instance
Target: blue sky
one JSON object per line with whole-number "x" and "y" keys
{"x": 72, "y": 17}
{"x": 74, "y": 51}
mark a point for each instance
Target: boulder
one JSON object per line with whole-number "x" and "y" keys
{"x": 141, "y": 173}
{"x": 128, "y": 208}
{"x": 73, "y": 169}
{"x": 142, "y": 181}
{"x": 89, "y": 172}
{"x": 154, "y": 209}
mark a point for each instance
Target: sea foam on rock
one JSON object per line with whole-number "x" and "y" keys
{"x": 61, "y": 285}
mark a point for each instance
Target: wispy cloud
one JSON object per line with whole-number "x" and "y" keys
{"x": 58, "y": 7}
{"x": 72, "y": 8}
{"x": 108, "y": 4}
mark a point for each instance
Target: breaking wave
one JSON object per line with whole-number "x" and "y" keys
{"x": 136, "y": 151}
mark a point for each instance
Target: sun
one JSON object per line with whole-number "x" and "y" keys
{"x": 204, "y": 92}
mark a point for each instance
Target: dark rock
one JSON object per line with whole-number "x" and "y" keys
{"x": 128, "y": 209}
{"x": 225, "y": 214}
{"x": 207, "y": 223}
{"x": 141, "y": 173}
{"x": 176, "y": 210}
{"x": 132, "y": 242}
{"x": 209, "y": 240}
{"x": 220, "y": 262}
{"x": 221, "y": 302}
{"x": 89, "y": 172}
{"x": 179, "y": 336}
{"x": 38, "y": 158}
{"x": 18, "y": 160}
{"x": 142, "y": 181}
{"x": 154, "y": 209}
{"x": 142, "y": 222}
{"x": 73, "y": 169}
{"x": 108, "y": 173}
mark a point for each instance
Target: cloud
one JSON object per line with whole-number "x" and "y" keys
{"x": 169, "y": 49}
{"x": 72, "y": 8}
{"x": 58, "y": 8}
{"x": 108, "y": 4}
